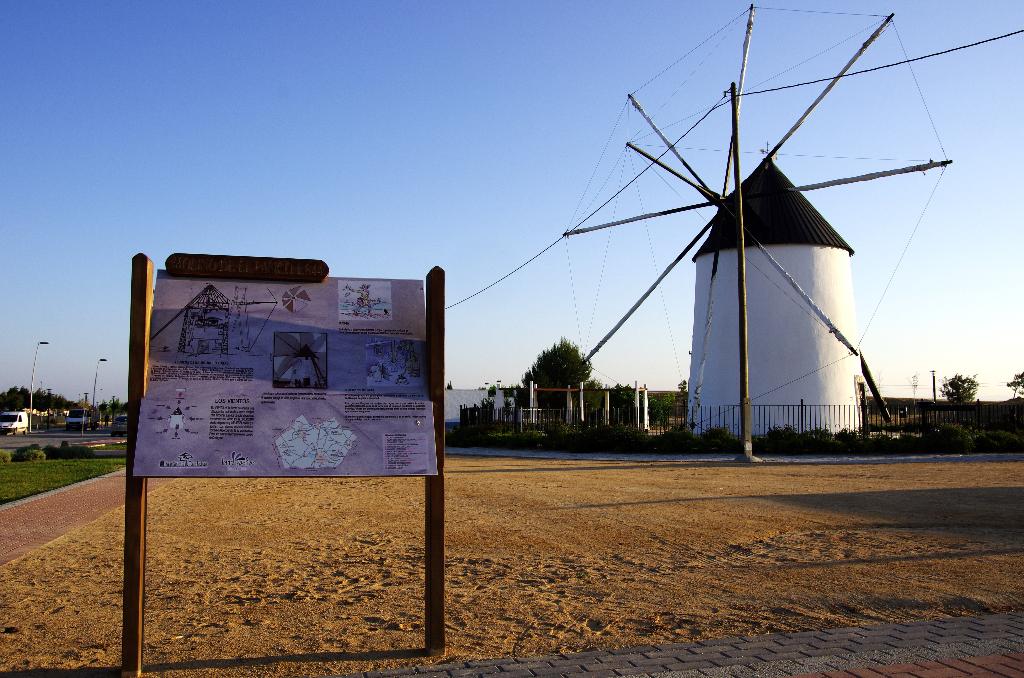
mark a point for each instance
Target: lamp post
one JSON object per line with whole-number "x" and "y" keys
{"x": 32, "y": 384}
{"x": 95, "y": 377}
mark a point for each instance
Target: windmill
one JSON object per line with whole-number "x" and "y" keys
{"x": 809, "y": 259}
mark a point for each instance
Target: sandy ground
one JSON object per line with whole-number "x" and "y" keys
{"x": 295, "y": 577}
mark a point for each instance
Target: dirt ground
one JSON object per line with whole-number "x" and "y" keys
{"x": 321, "y": 577}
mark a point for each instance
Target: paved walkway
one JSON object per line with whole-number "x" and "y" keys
{"x": 31, "y": 522}
{"x": 991, "y": 645}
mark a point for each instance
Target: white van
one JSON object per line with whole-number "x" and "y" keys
{"x": 81, "y": 419}
{"x": 14, "y": 423}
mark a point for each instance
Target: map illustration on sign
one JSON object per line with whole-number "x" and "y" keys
{"x": 213, "y": 324}
{"x": 394, "y": 362}
{"x": 300, "y": 360}
{"x": 364, "y": 300}
{"x": 322, "y": 445}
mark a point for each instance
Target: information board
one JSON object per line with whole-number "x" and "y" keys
{"x": 253, "y": 378}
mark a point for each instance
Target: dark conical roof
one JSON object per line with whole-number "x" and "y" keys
{"x": 775, "y": 217}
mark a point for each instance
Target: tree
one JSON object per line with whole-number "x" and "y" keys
{"x": 662, "y": 406}
{"x": 1017, "y": 384}
{"x": 960, "y": 388}
{"x": 557, "y": 367}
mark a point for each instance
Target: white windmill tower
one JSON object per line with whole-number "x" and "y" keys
{"x": 803, "y": 309}
{"x": 786, "y": 340}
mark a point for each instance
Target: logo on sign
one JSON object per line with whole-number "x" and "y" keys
{"x": 184, "y": 460}
{"x": 237, "y": 459}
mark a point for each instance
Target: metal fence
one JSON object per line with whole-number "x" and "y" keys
{"x": 800, "y": 417}
{"x": 1008, "y": 416}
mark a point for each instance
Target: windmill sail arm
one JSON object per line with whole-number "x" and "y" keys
{"x": 739, "y": 91}
{"x": 828, "y": 87}
{"x": 873, "y": 175}
{"x": 875, "y": 393}
{"x": 643, "y": 298}
{"x": 707, "y": 333}
{"x": 806, "y": 297}
{"x": 703, "y": 188}
{"x": 639, "y": 217}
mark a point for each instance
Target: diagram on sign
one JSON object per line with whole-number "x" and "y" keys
{"x": 394, "y": 362}
{"x": 364, "y": 300}
{"x": 295, "y": 299}
{"x": 318, "y": 445}
{"x": 300, "y": 360}
{"x": 175, "y": 420}
{"x": 211, "y": 323}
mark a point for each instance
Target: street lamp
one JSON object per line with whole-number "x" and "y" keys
{"x": 95, "y": 377}
{"x": 32, "y": 384}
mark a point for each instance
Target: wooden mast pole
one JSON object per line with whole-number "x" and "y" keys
{"x": 741, "y": 283}
{"x": 135, "y": 488}
{"x": 433, "y": 626}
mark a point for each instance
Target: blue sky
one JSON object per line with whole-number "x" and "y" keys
{"x": 386, "y": 138}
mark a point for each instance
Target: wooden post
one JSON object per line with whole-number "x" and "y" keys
{"x": 741, "y": 282}
{"x": 434, "y": 485}
{"x": 135, "y": 488}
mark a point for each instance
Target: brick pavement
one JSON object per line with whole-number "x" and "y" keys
{"x": 31, "y": 522}
{"x": 991, "y": 645}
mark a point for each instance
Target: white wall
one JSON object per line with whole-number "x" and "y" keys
{"x": 785, "y": 341}
{"x": 456, "y": 398}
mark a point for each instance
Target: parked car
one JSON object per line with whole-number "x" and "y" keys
{"x": 14, "y": 423}
{"x": 81, "y": 418}
{"x": 120, "y": 425}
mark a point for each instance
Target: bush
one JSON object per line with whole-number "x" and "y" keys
{"x": 720, "y": 440}
{"x": 853, "y": 442}
{"x": 679, "y": 441}
{"x": 68, "y": 452}
{"x": 608, "y": 439}
{"x": 5, "y": 457}
{"x": 29, "y": 453}
{"x": 783, "y": 440}
{"x": 948, "y": 438}
{"x": 998, "y": 441}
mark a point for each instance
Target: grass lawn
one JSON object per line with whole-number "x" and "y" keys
{"x": 110, "y": 447}
{"x": 23, "y": 479}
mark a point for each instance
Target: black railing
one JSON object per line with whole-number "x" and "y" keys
{"x": 907, "y": 418}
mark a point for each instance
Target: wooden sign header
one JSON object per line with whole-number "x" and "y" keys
{"x": 262, "y": 268}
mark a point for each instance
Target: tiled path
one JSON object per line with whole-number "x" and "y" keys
{"x": 991, "y": 645}
{"x": 34, "y": 521}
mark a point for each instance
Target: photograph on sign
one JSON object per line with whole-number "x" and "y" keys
{"x": 258, "y": 378}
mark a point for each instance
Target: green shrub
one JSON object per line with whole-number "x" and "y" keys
{"x": 998, "y": 441}
{"x": 29, "y": 453}
{"x": 608, "y": 439}
{"x": 68, "y": 452}
{"x": 948, "y": 438}
{"x": 468, "y": 436}
{"x": 720, "y": 440}
{"x": 679, "y": 441}
{"x": 886, "y": 444}
{"x": 5, "y": 457}
{"x": 853, "y": 441}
